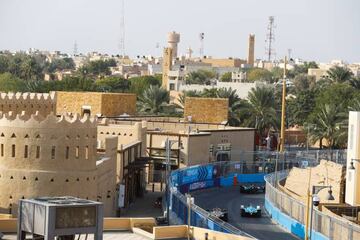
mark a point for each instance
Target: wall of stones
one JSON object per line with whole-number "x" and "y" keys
{"x": 206, "y": 110}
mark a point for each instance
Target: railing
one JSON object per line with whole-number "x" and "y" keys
{"x": 329, "y": 226}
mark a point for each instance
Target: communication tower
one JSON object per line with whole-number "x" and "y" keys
{"x": 122, "y": 29}
{"x": 270, "y": 38}
{"x": 75, "y": 50}
{"x": 201, "y": 37}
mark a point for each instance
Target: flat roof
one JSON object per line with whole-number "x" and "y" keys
{"x": 111, "y": 235}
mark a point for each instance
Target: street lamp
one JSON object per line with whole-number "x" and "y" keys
{"x": 351, "y": 167}
{"x": 168, "y": 144}
{"x": 316, "y": 202}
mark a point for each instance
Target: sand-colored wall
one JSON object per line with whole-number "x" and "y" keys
{"x": 43, "y": 103}
{"x": 115, "y": 104}
{"x": 53, "y": 170}
{"x": 326, "y": 173}
{"x": 218, "y": 62}
{"x": 107, "y": 104}
{"x": 206, "y": 110}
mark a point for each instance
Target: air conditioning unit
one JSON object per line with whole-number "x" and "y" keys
{"x": 61, "y": 217}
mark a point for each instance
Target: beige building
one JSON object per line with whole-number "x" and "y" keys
{"x": 224, "y": 62}
{"x": 95, "y": 103}
{"x": 206, "y": 110}
{"x": 318, "y": 73}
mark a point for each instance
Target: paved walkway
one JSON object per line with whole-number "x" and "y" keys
{"x": 144, "y": 207}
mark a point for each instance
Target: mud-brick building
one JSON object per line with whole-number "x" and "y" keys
{"x": 95, "y": 103}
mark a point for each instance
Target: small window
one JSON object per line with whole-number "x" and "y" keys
{"x": 13, "y": 150}
{"x": 26, "y": 151}
{"x": 37, "y": 151}
{"x": 77, "y": 151}
{"x": 67, "y": 152}
{"x": 87, "y": 152}
{"x": 2, "y": 150}
{"x": 13, "y": 135}
{"x": 53, "y": 149}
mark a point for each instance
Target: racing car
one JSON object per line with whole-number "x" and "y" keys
{"x": 220, "y": 213}
{"x": 250, "y": 211}
{"x": 252, "y": 189}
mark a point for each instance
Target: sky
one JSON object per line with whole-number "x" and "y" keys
{"x": 320, "y": 30}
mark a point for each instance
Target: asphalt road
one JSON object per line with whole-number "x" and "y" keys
{"x": 231, "y": 199}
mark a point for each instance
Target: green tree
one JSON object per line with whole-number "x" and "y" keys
{"x": 139, "y": 84}
{"x": 234, "y": 104}
{"x": 260, "y": 110}
{"x": 328, "y": 123}
{"x": 303, "y": 82}
{"x": 201, "y": 76}
{"x": 61, "y": 64}
{"x": 10, "y": 83}
{"x": 112, "y": 84}
{"x": 300, "y": 107}
{"x": 355, "y": 82}
{"x": 153, "y": 100}
{"x": 339, "y": 74}
{"x": 226, "y": 77}
{"x": 259, "y": 74}
{"x": 277, "y": 74}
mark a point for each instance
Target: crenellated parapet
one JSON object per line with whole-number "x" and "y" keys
{"x": 44, "y": 103}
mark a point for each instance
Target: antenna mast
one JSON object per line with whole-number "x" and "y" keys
{"x": 201, "y": 37}
{"x": 75, "y": 52}
{"x": 122, "y": 29}
{"x": 270, "y": 38}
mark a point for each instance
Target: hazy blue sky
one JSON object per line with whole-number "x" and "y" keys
{"x": 314, "y": 29}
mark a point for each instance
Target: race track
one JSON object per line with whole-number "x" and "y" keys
{"x": 231, "y": 199}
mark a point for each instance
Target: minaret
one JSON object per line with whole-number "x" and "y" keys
{"x": 166, "y": 66}
{"x": 173, "y": 39}
{"x": 251, "y": 50}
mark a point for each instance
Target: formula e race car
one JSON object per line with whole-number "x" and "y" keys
{"x": 220, "y": 213}
{"x": 252, "y": 189}
{"x": 250, "y": 211}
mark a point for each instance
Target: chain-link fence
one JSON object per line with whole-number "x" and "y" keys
{"x": 331, "y": 227}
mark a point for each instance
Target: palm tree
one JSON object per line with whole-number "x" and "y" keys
{"x": 339, "y": 74}
{"x": 328, "y": 124}
{"x": 259, "y": 111}
{"x": 355, "y": 82}
{"x": 153, "y": 100}
{"x": 235, "y": 104}
{"x": 355, "y": 105}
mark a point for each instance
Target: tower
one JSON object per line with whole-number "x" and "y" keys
{"x": 352, "y": 195}
{"x": 75, "y": 52}
{"x": 270, "y": 38}
{"x": 122, "y": 30}
{"x": 173, "y": 39}
{"x": 166, "y": 66}
{"x": 251, "y": 50}
{"x": 201, "y": 37}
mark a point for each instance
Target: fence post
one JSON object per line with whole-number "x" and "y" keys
{"x": 350, "y": 232}
{"x": 331, "y": 228}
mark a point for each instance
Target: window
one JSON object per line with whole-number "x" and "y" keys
{"x": 53, "y": 152}
{"x": 77, "y": 152}
{"x": 87, "y": 152}
{"x": 13, "y": 150}
{"x": 37, "y": 151}
{"x": 2, "y": 150}
{"x": 172, "y": 86}
{"x": 67, "y": 152}
{"x": 26, "y": 151}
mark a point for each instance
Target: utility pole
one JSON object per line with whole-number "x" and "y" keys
{"x": 283, "y": 110}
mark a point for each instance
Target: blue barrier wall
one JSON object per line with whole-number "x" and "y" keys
{"x": 289, "y": 223}
{"x": 202, "y": 177}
